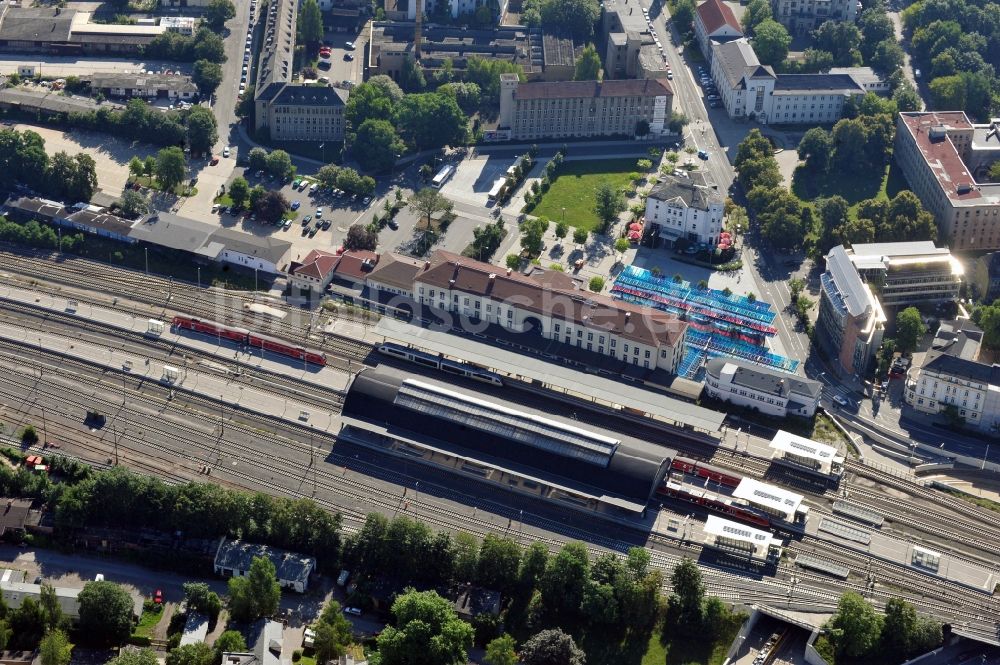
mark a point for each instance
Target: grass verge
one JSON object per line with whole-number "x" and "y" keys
{"x": 573, "y": 190}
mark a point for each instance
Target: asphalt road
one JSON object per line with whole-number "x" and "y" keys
{"x": 225, "y": 98}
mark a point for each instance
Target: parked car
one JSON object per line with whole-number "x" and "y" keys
{"x": 158, "y": 597}
{"x": 349, "y": 46}
{"x": 226, "y": 152}
{"x": 326, "y": 224}
{"x": 356, "y": 611}
{"x": 841, "y": 401}
{"x": 287, "y": 225}
{"x": 312, "y": 231}
{"x": 296, "y": 205}
{"x": 319, "y": 212}
{"x": 348, "y": 57}
{"x": 393, "y": 225}
{"x": 703, "y": 154}
{"x": 306, "y": 220}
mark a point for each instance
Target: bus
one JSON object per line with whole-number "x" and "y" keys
{"x": 497, "y": 191}
{"x": 442, "y": 176}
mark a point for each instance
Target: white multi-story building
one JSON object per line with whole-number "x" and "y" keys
{"x": 769, "y": 391}
{"x": 952, "y": 376}
{"x": 685, "y": 208}
{"x": 714, "y": 21}
{"x": 750, "y": 89}
{"x": 553, "y": 308}
{"x": 908, "y": 273}
{"x": 866, "y": 78}
{"x": 851, "y": 322}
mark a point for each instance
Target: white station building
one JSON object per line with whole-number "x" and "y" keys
{"x": 740, "y": 539}
{"x": 801, "y": 453}
{"x": 775, "y": 501}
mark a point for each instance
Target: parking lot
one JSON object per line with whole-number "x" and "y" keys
{"x": 474, "y": 177}
{"x": 54, "y": 65}
{"x": 110, "y": 154}
{"x": 337, "y": 68}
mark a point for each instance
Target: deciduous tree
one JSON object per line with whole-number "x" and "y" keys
{"x": 310, "y": 23}
{"x": 202, "y": 130}
{"x": 171, "y": 167}
{"x": 256, "y": 595}
{"x": 608, "y": 203}
{"x": 272, "y": 206}
{"x": 501, "y": 651}
{"x": 279, "y": 164}
{"x": 909, "y": 329}
{"x": 771, "y": 41}
{"x": 588, "y": 65}
{"x": 426, "y": 632}
{"x": 376, "y": 145}
{"x": 428, "y": 201}
{"x": 552, "y": 647}
{"x": 856, "y": 626}
{"x": 431, "y": 120}
{"x": 105, "y": 613}
{"x": 207, "y": 75}
{"x": 576, "y": 17}
{"x": 218, "y": 12}
{"x": 816, "y": 149}
{"x": 239, "y": 190}
{"x": 757, "y": 12}
{"x": 198, "y": 653}
{"x": 360, "y": 237}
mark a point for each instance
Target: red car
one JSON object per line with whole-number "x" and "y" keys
{"x": 158, "y": 597}
{"x": 215, "y": 160}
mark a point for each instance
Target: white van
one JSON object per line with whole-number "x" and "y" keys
{"x": 342, "y": 578}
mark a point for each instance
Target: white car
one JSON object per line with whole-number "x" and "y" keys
{"x": 225, "y": 151}
{"x": 841, "y": 401}
{"x": 349, "y": 46}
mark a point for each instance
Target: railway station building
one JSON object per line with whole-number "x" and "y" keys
{"x": 598, "y": 472}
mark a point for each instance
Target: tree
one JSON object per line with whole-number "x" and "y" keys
{"x": 833, "y": 215}
{"x": 781, "y": 219}
{"x": 171, "y": 168}
{"x": 682, "y": 16}
{"x": 431, "y": 120}
{"x": 105, "y": 613}
{"x": 849, "y": 138}
{"x": 244, "y": 103}
{"x": 757, "y": 12}
{"x": 377, "y": 145}
{"x": 906, "y": 97}
{"x": 411, "y": 76}
{"x": 256, "y": 595}
{"x": 326, "y": 176}
{"x": 596, "y": 284}
{"x": 207, "y": 45}
{"x": 207, "y": 75}
{"x": 875, "y": 27}
{"x": 200, "y": 598}
{"x": 198, "y": 653}
{"x": 360, "y": 237}
{"x": 202, "y": 131}
{"x": 905, "y": 219}
{"x": 688, "y": 593}
{"x": 257, "y": 159}
{"x": 994, "y": 172}
{"x": 135, "y": 167}
{"x": 947, "y": 92}
{"x": 256, "y": 194}
{"x": 532, "y": 235}
{"x": 272, "y": 206}
{"x": 231, "y": 641}
{"x": 486, "y": 74}
{"x": 55, "y": 648}
{"x": 622, "y": 245}
{"x": 467, "y": 95}
{"x": 841, "y": 39}
{"x": 562, "y": 229}
{"x": 49, "y": 602}
{"x": 466, "y": 557}
{"x": 427, "y": 632}
{"x": 816, "y": 149}
{"x": 486, "y": 239}
{"x": 371, "y": 101}
{"x": 310, "y": 23}
{"x": 771, "y": 41}
{"x": 588, "y": 65}
{"x": 887, "y": 58}
{"x": 552, "y": 647}
{"x": 135, "y": 657}
{"x": 564, "y": 581}
{"x": 239, "y": 190}
{"x": 218, "y": 12}
{"x": 279, "y": 164}
{"x": 84, "y": 181}
{"x": 574, "y": 16}
{"x": 428, "y": 201}
{"x": 608, "y": 203}
{"x": 856, "y": 626}
{"x": 909, "y": 329}
{"x": 816, "y": 60}
{"x": 580, "y": 235}
{"x": 501, "y": 651}
{"x": 334, "y": 633}
{"x": 133, "y": 204}
{"x": 512, "y": 261}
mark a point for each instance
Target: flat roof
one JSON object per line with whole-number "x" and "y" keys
{"x": 770, "y": 496}
{"x": 793, "y": 443}
{"x": 718, "y": 526}
{"x": 176, "y": 232}
{"x": 591, "y": 385}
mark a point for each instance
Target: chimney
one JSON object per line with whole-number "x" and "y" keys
{"x": 508, "y": 272}
{"x": 628, "y": 315}
{"x": 427, "y": 265}
{"x": 417, "y": 30}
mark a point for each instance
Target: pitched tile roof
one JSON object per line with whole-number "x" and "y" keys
{"x": 356, "y": 265}
{"x": 396, "y": 270}
{"x": 646, "y": 326}
{"x": 588, "y": 89}
{"x": 714, "y": 14}
{"x": 317, "y": 264}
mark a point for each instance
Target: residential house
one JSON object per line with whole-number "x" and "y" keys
{"x": 714, "y": 21}
{"x": 233, "y": 559}
{"x": 685, "y": 207}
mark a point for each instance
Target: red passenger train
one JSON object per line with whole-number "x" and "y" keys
{"x": 252, "y": 339}
{"x": 724, "y": 505}
{"x": 702, "y": 470}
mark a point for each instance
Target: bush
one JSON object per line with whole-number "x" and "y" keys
{"x": 596, "y": 284}
{"x": 297, "y": 655}
{"x": 29, "y": 436}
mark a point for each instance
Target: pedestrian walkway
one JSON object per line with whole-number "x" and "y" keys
{"x": 227, "y": 353}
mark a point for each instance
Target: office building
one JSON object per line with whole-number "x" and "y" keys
{"x": 292, "y": 111}
{"x": 567, "y": 109}
{"x": 866, "y": 78}
{"x": 985, "y": 277}
{"x": 908, "y": 273}
{"x": 685, "y": 207}
{"x": 945, "y": 159}
{"x": 851, "y": 322}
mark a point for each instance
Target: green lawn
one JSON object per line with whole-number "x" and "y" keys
{"x": 854, "y": 187}
{"x": 148, "y": 622}
{"x": 573, "y": 189}
{"x": 182, "y": 189}
{"x": 688, "y": 652}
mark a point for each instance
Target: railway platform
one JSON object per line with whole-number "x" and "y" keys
{"x": 225, "y": 351}
{"x": 211, "y": 381}
{"x": 927, "y": 558}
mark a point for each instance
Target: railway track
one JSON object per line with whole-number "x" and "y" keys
{"x": 241, "y": 373}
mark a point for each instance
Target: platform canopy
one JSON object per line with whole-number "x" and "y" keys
{"x": 769, "y": 497}
{"x": 726, "y": 530}
{"x": 799, "y": 446}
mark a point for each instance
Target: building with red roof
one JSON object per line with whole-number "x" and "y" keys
{"x": 714, "y": 20}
